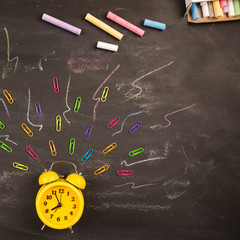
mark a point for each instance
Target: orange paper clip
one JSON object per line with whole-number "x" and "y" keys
{"x": 8, "y": 96}
{"x": 52, "y": 148}
{"x": 109, "y": 148}
{"x": 101, "y": 170}
{"x": 27, "y": 129}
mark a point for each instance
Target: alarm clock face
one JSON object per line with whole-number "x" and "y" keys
{"x": 59, "y": 204}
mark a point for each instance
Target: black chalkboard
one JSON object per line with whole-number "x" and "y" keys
{"x": 185, "y": 184}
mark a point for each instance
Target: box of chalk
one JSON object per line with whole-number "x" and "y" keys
{"x": 202, "y": 11}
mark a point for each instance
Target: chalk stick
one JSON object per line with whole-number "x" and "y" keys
{"x": 107, "y": 46}
{"x": 218, "y": 12}
{"x": 194, "y": 11}
{"x": 125, "y": 23}
{"x": 103, "y": 26}
{"x": 205, "y": 10}
{"x": 236, "y": 7}
{"x": 211, "y": 11}
{"x": 61, "y": 24}
{"x": 231, "y": 12}
{"x": 223, "y": 3}
{"x": 154, "y": 24}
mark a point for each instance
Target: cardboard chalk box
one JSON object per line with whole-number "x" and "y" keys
{"x": 201, "y": 18}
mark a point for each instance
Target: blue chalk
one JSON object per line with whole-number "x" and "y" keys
{"x": 153, "y": 24}
{"x": 194, "y": 11}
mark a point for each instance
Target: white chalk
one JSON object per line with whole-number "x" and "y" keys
{"x": 205, "y": 10}
{"x": 231, "y": 12}
{"x": 107, "y": 46}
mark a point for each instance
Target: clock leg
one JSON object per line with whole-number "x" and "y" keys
{"x": 42, "y": 228}
{"x": 71, "y": 230}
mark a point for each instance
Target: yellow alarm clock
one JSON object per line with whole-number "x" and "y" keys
{"x": 59, "y": 202}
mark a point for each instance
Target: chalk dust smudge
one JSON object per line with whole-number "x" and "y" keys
{"x": 81, "y": 61}
{"x": 134, "y": 186}
{"x": 101, "y": 85}
{"x": 66, "y": 99}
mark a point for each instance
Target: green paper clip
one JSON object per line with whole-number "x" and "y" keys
{"x": 71, "y": 146}
{"x": 135, "y": 152}
{"x": 104, "y": 94}
{"x": 2, "y": 125}
{"x": 20, "y": 166}
{"x": 77, "y": 104}
{"x": 58, "y": 123}
{"x": 5, "y": 147}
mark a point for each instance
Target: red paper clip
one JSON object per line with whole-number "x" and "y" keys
{"x": 31, "y": 152}
{"x": 113, "y": 122}
{"x": 55, "y": 85}
{"x": 124, "y": 172}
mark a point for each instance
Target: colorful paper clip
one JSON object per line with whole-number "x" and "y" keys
{"x": 20, "y": 166}
{"x": 8, "y": 96}
{"x": 124, "y": 172}
{"x": 52, "y": 148}
{"x": 55, "y": 85}
{"x": 104, "y": 94}
{"x": 58, "y": 123}
{"x": 2, "y": 125}
{"x": 27, "y": 129}
{"x": 71, "y": 146}
{"x": 38, "y": 109}
{"x": 109, "y": 148}
{"x": 5, "y": 147}
{"x": 135, "y": 127}
{"x": 101, "y": 169}
{"x": 87, "y": 155}
{"x": 77, "y": 104}
{"x": 113, "y": 122}
{"x": 88, "y": 132}
{"x": 135, "y": 152}
{"x": 31, "y": 152}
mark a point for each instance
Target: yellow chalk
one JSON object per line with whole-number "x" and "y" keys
{"x": 104, "y": 26}
{"x": 218, "y": 12}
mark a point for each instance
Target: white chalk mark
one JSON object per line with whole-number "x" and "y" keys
{"x": 7, "y": 139}
{"x": 132, "y": 114}
{"x": 175, "y": 195}
{"x": 66, "y": 99}
{"x": 94, "y": 95}
{"x": 8, "y": 51}
{"x": 143, "y": 76}
{"x": 134, "y": 186}
{"x": 28, "y": 110}
{"x": 169, "y": 114}
{"x": 5, "y": 106}
{"x": 141, "y": 161}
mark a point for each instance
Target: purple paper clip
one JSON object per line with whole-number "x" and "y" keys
{"x": 124, "y": 172}
{"x": 135, "y": 127}
{"x": 113, "y": 122}
{"x": 31, "y": 152}
{"x": 88, "y": 132}
{"x": 55, "y": 85}
{"x": 38, "y": 109}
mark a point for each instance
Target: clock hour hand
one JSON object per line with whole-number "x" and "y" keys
{"x": 59, "y": 205}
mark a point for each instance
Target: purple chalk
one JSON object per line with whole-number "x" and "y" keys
{"x": 61, "y": 24}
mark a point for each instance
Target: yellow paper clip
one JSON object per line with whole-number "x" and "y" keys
{"x": 109, "y": 148}
{"x": 104, "y": 94}
{"x": 101, "y": 169}
{"x": 20, "y": 166}
{"x": 58, "y": 123}
{"x": 52, "y": 148}
{"x": 27, "y": 129}
{"x": 8, "y": 96}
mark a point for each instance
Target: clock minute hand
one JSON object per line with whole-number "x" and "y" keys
{"x": 57, "y": 197}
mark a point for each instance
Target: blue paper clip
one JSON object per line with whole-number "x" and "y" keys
{"x": 135, "y": 127}
{"x": 38, "y": 109}
{"x": 88, "y": 132}
{"x": 87, "y": 155}
{"x": 2, "y": 125}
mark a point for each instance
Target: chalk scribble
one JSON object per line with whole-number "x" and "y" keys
{"x": 66, "y": 99}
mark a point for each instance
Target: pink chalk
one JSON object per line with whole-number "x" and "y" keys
{"x": 125, "y": 24}
{"x": 61, "y": 24}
